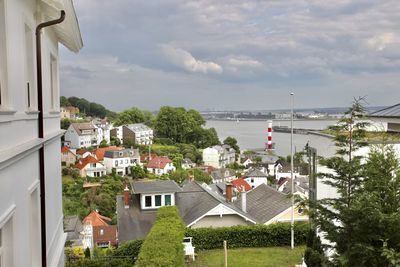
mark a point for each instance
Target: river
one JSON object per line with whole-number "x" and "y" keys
{"x": 252, "y": 135}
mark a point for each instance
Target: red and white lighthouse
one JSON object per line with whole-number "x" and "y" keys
{"x": 269, "y": 142}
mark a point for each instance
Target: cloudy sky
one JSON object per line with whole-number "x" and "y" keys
{"x": 235, "y": 54}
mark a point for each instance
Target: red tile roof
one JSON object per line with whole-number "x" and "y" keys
{"x": 239, "y": 184}
{"x": 65, "y": 149}
{"x": 99, "y": 152}
{"x": 145, "y": 156}
{"x": 95, "y": 219}
{"x": 158, "y": 162}
{"x": 85, "y": 161}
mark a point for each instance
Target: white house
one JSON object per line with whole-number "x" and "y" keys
{"x": 103, "y": 130}
{"x": 81, "y": 135}
{"x": 218, "y": 156}
{"x": 160, "y": 165}
{"x": 121, "y": 160}
{"x": 21, "y": 148}
{"x": 255, "y": 177}
{"x": 90, "y": 166}
{"x": 138, "y": 133}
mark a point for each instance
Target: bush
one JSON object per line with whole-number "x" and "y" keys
{"x": 129, "y": 249}
{"x": 99, "y": 263}
{"x": 163, "y": 245}
{"x": 272, "y": 235}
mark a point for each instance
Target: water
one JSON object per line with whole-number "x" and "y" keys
{"x": 252, "y": 135}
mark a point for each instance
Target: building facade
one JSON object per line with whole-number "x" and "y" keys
{"x": 20, "y": 209}
{"x": 218, "y": 156}
{"x": 121, "y": 160}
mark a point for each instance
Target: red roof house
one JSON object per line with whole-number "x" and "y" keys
{"x": 99, "y": 152}
{"x": 104, "y": 234}
{"x": 160, "y": 165}
{"x": 67, "y": 156}
{"x": 240, "y": 184}
{"x": 90, "y": 166}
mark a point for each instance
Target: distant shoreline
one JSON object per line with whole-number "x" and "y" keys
{"x": 240, "y": 120}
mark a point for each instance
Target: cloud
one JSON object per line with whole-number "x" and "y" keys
{"x": 185, "y": 60}
{"x": 379, "y": 42}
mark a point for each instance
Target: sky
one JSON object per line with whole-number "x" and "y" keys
{"x": 234, "y": 54}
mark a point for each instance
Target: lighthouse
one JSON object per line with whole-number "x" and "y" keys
{"x": 269, "y": 141}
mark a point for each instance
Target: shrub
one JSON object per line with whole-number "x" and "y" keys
{"x": 99, "y": 263}
{"x": 247, "y": 236}
{"x": 129, "y": 249}
{"x": 163, "y": 245}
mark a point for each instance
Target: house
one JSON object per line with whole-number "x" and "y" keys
{"x": 160, "y": 165}
{"x": 255, "y": 177}
{"x": 301, "y": 186}
{"x": 116, "y": 132}
{"x": 67, "y": 156}
{"x": 73, "y": 227}
{"x": 134, "y": 134}
{"x": 121, "y": 160}
{"x": 283, "y": 170}
{"x": 73, "y": 111}
{"x": 187, "y": 164}
{"x": 103, "y": 129}
{"x": 64, "y": 113}
{"x": 104, "y": 234}
{"x": 30, "y": 162}
{"x": 99, "y": 152}
{"x": 246, "y": 162}
{"x": 267, "y": 205}
{"x": 81, "y": 135}
{"x": 219, "y": 156}
{"x": 90, "y": 166}
{"x": 222, "y": 175}
{"x": 241, "y": 185}
{"x": 198, "y": 206}
{"x": 386, "y": 120}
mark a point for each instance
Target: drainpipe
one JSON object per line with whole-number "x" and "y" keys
{"x": 41, "y": 133}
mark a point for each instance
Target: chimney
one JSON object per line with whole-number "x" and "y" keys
{"x": 228, "y": 192}
{"x": 126, "y": 197}
{"x": 244, "y": 199}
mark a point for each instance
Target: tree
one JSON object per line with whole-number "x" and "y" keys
{"x": 201, "y": 176}
{"x": 104, "y": 143}
{"x": 65, "y": 123}
{"x": 177, "y": 160}
{"x": 333, "y": 215}
{"x": 231, "y": 141}
{"x": 179, "y": 176}
{"x": 87, "y": 252}
{"x": 114, "y": 141}
{"x": 130, "y": 116}
{"x": 64, "y": 102}
{"x": 137, "y": 172}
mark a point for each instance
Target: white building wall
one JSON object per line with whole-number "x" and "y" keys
{"x": 211, "y": 157}
{"x": 256, "y": 181}
{"x": 19, "y": 142}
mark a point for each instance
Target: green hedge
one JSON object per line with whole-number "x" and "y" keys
{"x": 129, "y": 249}
{"x": 272, "y": 235}
{"x": 99, "y": 263}
{"x": 163, "y": 245}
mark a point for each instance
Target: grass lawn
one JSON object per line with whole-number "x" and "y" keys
{"x": 265, "y": 257}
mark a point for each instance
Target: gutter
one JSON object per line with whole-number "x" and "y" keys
{"x": 41, "y": 134}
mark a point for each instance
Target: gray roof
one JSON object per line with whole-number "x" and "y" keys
{"x": 124, "y": 153}
{"x": 72, "y": 227}
{"x": 271, "y": 159}
{"x": 133, "y": 223}
{"x": 138, "y": 127}
{"x": 83, "y": 126}
{"x": 255, "y": 173}
{"x": 390, "y": 112}
{"x": 221, "y": 174}
{"x": 159, "y": 186}
{"x": 195, "y": 200}
{"x": 264, "y": 203}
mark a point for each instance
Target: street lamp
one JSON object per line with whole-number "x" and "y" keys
{"x": 291, "y": 171}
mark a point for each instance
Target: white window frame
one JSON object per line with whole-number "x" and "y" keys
{"x": 54, "y": 83}
{"x": 30, "y": 67}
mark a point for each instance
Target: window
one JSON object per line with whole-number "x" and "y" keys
{"x": 158, "y": 200}
{"x": 116, "y": 163}
{"x": 252, "y": 180}
{"x": 53, "y": 82}
{"x": 121, "y": 161}
{"x": 101, "y": 232}
{"x": 167, "y": 200}
{"x": 93, "y": 165}
{"x": 3, "y": 56}
{"x": 147, "y": 201}
{"x": 126, "y": 161}
{"x": 29, "y": 67}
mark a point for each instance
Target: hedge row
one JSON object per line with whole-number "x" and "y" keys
{"x": 163, "y": 245}
{"x": 272, "y": 235}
